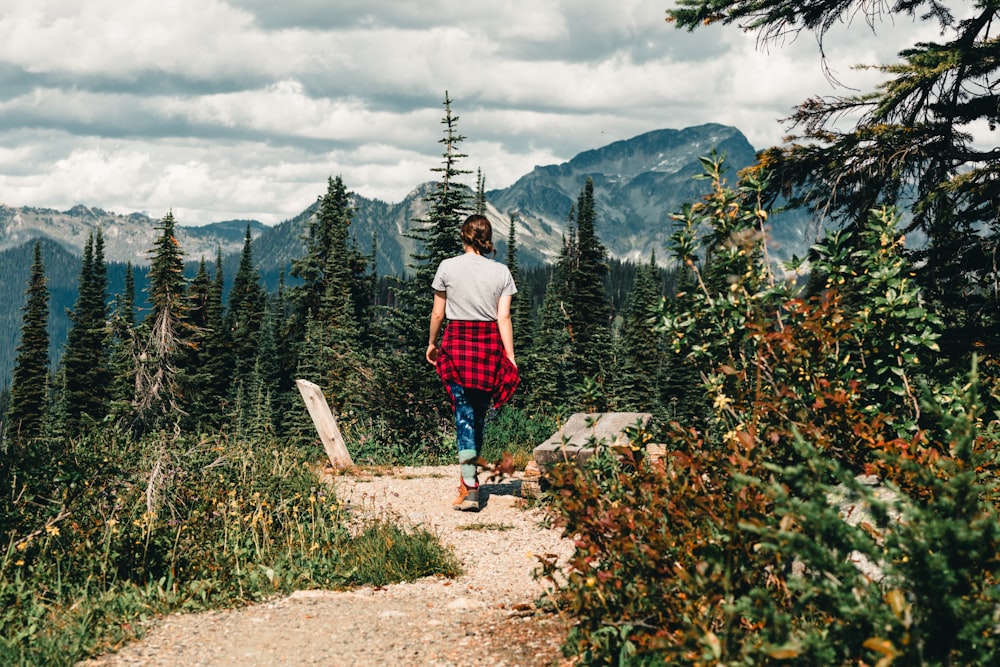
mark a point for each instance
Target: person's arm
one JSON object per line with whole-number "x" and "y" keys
{"x": 506, "y": 327}
{"x": 437, "y": 317}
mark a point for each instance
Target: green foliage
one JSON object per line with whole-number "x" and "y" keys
{"x": 29, "y": 390}
{"x": 639, "y": 375}
{"x": 516, "y": 432}
{"x": 895, "y": 335}
{"x": 137, "y": 529}
{"x": 917, "y": 140}
{"x": 85, "y": 363}
{"x": 245, "y": 313}
{"x": 736, "y": 549}
{"x": 157, "y": 397}
{"x": 568, "y": 362}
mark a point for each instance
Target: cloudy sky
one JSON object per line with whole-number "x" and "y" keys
{"x": 221, "y": 109}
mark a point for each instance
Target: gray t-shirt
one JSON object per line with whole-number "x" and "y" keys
{"x": 474, "y": 285}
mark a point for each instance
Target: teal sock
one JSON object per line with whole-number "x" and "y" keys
{"x": 466, "y": 459}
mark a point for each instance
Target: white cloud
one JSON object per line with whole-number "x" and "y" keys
{"x": 242, "y": 109}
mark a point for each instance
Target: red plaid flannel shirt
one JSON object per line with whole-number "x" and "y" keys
{"x": 472, "y": 356}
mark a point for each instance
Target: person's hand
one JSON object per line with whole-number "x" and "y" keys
{"x": 510, "y": 357}
{"x": 432, "y": 354}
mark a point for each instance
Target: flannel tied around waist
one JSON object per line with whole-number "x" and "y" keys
{"x": 472, "y": 356}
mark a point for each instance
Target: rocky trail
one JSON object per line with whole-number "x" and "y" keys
{"x": 487, "y": 616}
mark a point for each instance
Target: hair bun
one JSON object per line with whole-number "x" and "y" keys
{"x": 477, "y": 233}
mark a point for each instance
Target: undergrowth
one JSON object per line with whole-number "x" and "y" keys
{"x": 104, "y": 533}
{"x": 734, "y": 548}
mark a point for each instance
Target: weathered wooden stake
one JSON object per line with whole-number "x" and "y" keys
{"x": 326, "y": 424}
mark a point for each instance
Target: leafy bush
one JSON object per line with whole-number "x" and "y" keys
{"x": 735, "y": 550}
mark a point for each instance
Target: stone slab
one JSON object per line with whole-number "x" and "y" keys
{"x": 574, "y": 441}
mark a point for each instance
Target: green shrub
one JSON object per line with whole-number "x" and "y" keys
{"x": 733, "y": 551}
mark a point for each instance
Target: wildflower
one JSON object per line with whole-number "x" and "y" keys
{"x": 19, "y": 562}
{"x": 721, "y": 401}
{"x": 112, "y": 522}
{"x": 52, "y": 530}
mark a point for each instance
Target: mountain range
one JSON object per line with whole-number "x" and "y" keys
{"x": 638, "y": 184}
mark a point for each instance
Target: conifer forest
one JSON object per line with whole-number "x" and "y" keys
{"x": 167, "y": 462}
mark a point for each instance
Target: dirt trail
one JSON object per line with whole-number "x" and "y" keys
{"x": 484, "y": 617}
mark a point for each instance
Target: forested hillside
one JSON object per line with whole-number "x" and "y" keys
{"x": 638, "y": 183}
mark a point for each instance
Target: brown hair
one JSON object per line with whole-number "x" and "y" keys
{"x": 477, "y": 232}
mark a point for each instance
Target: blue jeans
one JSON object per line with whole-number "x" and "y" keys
{"x": 471, "y": 407}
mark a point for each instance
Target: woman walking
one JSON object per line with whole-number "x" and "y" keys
{"x": 476, "y": 357}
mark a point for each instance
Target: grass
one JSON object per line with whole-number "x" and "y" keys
{"x": 113, "y": 532}
{"x": 497, "y": 527}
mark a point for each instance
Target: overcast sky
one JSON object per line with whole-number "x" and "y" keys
{"x": 242, "y": 108}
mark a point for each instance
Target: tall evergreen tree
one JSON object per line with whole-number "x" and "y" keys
{"x": 550, "y": 374}
{"x": 158, "y": 398}
{"x": 218, "y": 352}
{"x": 520, "y": 306}
{"x": 639, "y": 371}
{"x": 29, "y": 390}
{"x": 334, "y": 293}
{"x": 86, "y": 361}
{"x": 590, "y": 313}
{"x": 127, "y": 303}
{"x": 448, "y": 205}
{"x": 576, "y": 357}
{"x": 245, "y": 314}
{"x": 123, "y": 344}
{"x": 196, "y": 379}
{"x": 437, "y": 235}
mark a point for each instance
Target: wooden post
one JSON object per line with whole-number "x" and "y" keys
{"x": 326, "y": 424}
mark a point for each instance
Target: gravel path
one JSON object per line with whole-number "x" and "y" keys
{"x": 484, "y": 617}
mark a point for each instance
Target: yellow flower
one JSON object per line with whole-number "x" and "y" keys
{"x": 52, "y": 530}
{"x": 721, "y": 401}
{"x": 19, "y": 563}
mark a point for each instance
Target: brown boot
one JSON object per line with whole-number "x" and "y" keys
{"x": 463, "y": 491}
{"x": 470, "y": 503}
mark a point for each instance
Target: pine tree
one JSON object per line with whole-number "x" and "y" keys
{"x": 448, "y": 205}
{"x": 127, "y": 303}
{"x": 520, "y": 305}
{"x": 245, "y": 314}
{"x": 641, "y": 362}
{"x": 29, "y": 389}
{"x": 415, "y": 383}
{"x": 86, "y": 362}
{"x": 195, "y": 379}
{"x": 158, "y": 398}
{"x": 335, "y": 292}
{"x": 218, "y": 352}
{"x": 123, "y": 344}
{"x": 590, "y": 314}
{"x": 550, "y": 374}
